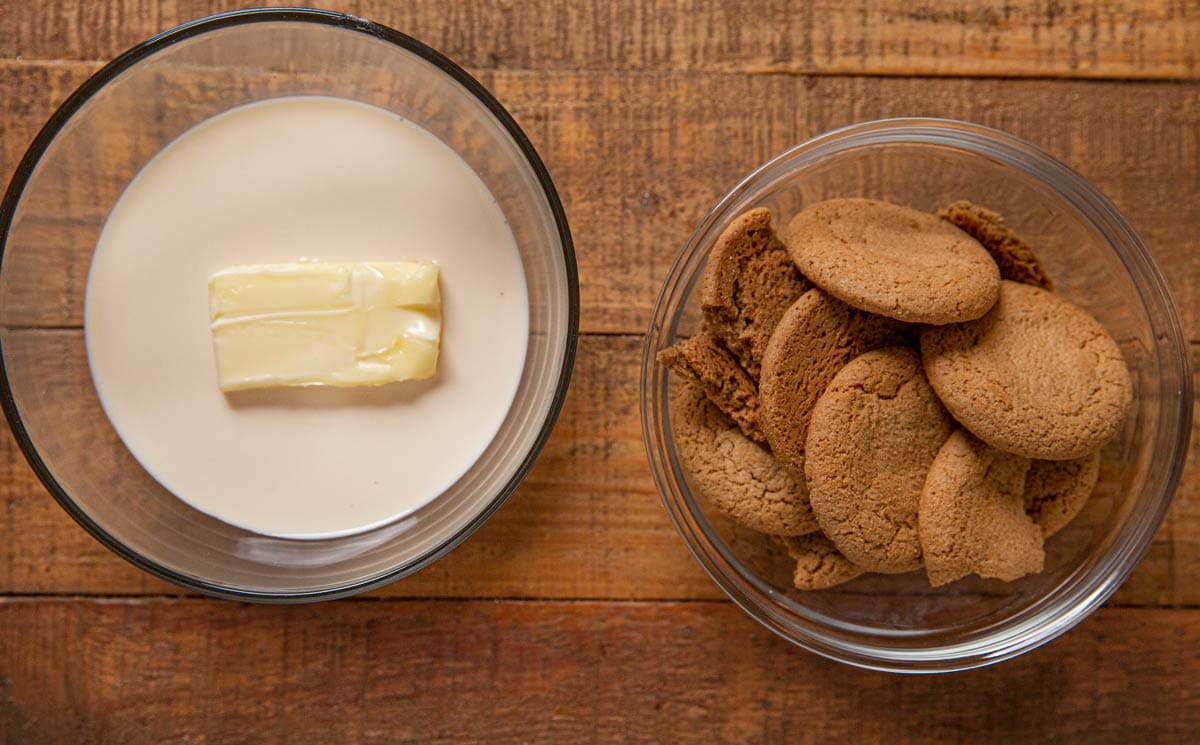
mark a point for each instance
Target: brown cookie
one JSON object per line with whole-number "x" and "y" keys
{"x": 893, "y": 261}
{"x": 1056, "y": 490}
{"x": 1015, "y": 259}
{"x": 819, "y": 565}
{"x": 1036, "y": 376}
{"x": 737, "y": 475}
{"x": 874, "y": 432}
{"x": 703, "y": 360}
{"x": 815, "y": 338}
{"x": 749, "y": 282}
{"x": 972, "y": 514}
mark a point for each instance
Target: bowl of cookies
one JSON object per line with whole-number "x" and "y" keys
{"x": 916, "y": 396}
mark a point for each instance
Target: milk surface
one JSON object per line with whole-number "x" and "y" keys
{"x": 302, "y": 179}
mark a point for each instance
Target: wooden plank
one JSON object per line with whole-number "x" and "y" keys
{"x": 1091, "y": 38}
{"x": 399, "y": 672}
{"x": 587, "y": 522}
{"x": 1181, "y": 529}
{"x": 640, "y": 158}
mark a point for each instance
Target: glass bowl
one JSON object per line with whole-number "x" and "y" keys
{"x": 81, "y": 162}
{"x": 898, "y": 622}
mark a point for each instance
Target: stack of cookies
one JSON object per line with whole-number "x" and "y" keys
{"x": 887, "y": 390}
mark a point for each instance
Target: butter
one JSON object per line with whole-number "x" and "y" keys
{"x": 325, "y": 324}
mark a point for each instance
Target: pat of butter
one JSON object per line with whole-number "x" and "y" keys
{"x": 325, "y": 324}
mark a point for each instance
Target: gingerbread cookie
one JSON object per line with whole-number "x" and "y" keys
{"x": 737, "y": 475}
{"x": 1056, "y": 490}
{"x": 972, "y": 514}
{"x": 874, "y": 432}
{"x": 706, "y": 362}
{"x": 893, "y": 261}
{"x": 1036, "y": 376}
{"x": 1015, "y": 259}
{"x": 749, "y": 282}
{"x": 819, "y": 565}
{"x": 815, "y": 338}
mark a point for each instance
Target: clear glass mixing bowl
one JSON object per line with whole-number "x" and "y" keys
{"x": 898, "y": 622}
{"x": 69, "y": 180}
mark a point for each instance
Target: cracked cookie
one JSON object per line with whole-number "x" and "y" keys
{"x": 749, "y": 282}
{"x": 873, "y": 435}
{"x": 1056, "y": 490}
{"x": 819, "y": 565}
{"x": 1036, "y": 376}
{"x": 736, "y": 474}
{"x": 972, "y": 514}
{"x": 703, "y": 360}
{"x": 815, "y": 338}
{"x": 893, "y": 261}
{"x": 1015, "y": 259}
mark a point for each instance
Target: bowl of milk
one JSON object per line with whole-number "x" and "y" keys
{"x": 307, "y": 140}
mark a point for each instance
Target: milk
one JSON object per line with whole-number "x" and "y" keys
{"x": 302, "y": 179}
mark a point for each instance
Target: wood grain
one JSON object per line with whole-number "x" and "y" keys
{"x": 536, "y": 629}
{"x": 587, "y": 522}
{"x": 150, "y": 671}
{"x": 1092, "y": 38}
{"x": 640, "y": 158}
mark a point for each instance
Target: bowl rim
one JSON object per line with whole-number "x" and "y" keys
{"x": 989, "y": 646}
{"x": 220, "y": 21}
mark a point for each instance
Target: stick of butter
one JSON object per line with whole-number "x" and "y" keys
{"x": 325, "y": 324}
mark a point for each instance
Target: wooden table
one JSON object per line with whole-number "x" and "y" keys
{"x": 576, "y": 614}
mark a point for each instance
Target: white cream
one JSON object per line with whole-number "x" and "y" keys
{"x": 291, "y": 180}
